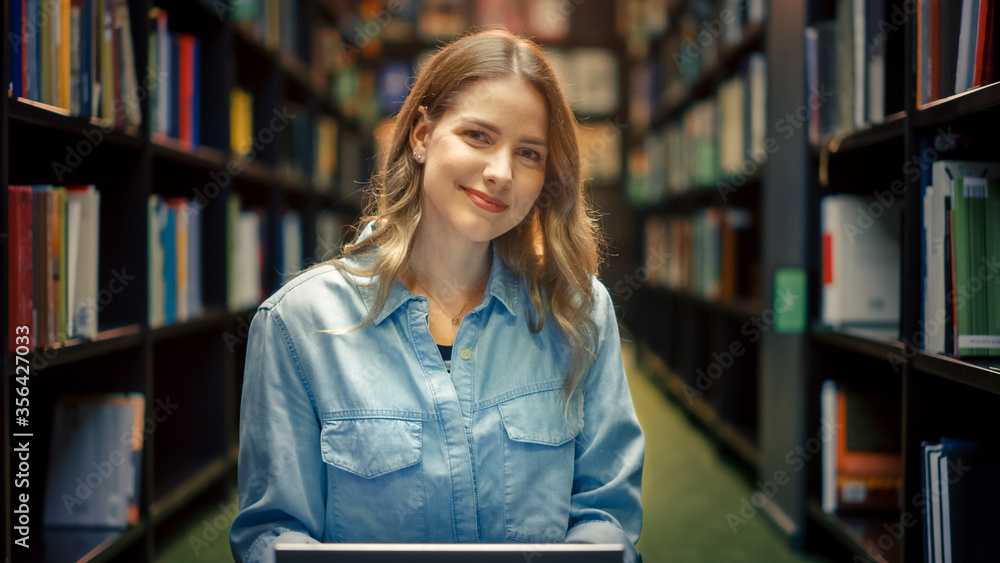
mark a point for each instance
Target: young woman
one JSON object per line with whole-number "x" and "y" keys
{"x": 456, "y": 376}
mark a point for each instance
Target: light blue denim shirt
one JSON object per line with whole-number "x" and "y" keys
{"x": 365, "y": 437}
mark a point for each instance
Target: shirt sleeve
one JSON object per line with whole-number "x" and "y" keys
{"x": 282, "y": 485}
{"x": 606, "y": 505}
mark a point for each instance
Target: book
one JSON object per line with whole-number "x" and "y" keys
{"x": 966, "y": 63}
{"x": 45, "y": 261}
{"x": 95, "y": 461}
{"x": 83, "y": 233}
{"x": 862, "y": 462}
{"x": 938, "y": 300}
{"x": 20, "y": 268}
{"x": 975, "y": 294}
{"x": 860, "y": 261}
{"x": 960, "y": 490}
{"x": 983, "y": 64}
{"x": 156, "y": 288}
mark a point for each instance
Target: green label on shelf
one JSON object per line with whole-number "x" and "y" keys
{"x": 790, "y": 300}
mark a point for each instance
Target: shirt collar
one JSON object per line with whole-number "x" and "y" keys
{"x": 503, "y": 284}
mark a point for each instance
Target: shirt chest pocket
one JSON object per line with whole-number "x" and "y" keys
{"x": 539, "y": 451}
{"x": 374, "y": 479}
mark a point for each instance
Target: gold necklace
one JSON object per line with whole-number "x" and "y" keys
{"x": 454, "y": 318}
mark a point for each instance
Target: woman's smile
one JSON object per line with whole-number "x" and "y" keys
{"x": 485, "y": 201}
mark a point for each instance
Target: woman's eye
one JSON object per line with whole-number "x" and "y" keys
{"x": 530, "y": 154}
{"x": 478, "y": 136}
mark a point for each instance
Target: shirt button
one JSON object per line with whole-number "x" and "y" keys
{"x": 466, "y": 354}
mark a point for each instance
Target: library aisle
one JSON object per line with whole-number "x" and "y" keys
{"x": 689, "y": 488}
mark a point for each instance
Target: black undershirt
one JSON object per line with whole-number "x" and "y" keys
{"x": 445, "y": 352}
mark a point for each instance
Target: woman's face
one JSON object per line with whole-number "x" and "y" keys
{"x": 484, "y": 160}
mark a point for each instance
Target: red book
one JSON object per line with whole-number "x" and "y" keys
{"x": 186, "y": 48}
{"x": 983, "y": 73}
{"x": 935, "y": 51}
{"x": 20, "y": 268}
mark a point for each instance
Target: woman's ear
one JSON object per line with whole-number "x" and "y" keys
{"x": 419, "y": 131}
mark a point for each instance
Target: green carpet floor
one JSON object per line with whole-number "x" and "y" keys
{"x": 688, "y": 488}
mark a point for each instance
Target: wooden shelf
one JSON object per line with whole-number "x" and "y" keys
{"x": 52, "y": 118}
{"x": 855, "y": 531}
{"x": 944, "y": 111}
{"x": 61, "y": 545}
{"x": 74, "y": 350}
{"x": 979, "y": 373}
{"x": 845, "y": 142}
{"x": 212, "y": 318}
{"x": 878, "y": 343}
{"x": 740, "y": 309}
{"x": 189, "y": 486}
{"x": 718, "y": 427}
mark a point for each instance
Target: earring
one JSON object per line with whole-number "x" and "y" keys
{"x": 417, "y": 157}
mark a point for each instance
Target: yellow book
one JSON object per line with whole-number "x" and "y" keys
{"x": 240, "y": 121}
{"x": 182, "y": 259}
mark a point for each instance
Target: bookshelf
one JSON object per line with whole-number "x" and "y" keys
{"x": 699, "y": 316}
{"x": 879, "y": 140}
{"x": 189, "y": 367}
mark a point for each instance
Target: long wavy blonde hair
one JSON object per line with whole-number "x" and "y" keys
{"x": 556, "y": 248}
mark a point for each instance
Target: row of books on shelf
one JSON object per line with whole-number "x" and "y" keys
{"x": 77, "y": 56}
{"x": 961, "y": 246}
{"x": 854, "y": 66}
{"x": 174, "y": 70}
{"x": 955, "y": 47}
{"x": 273, "y": 23}
{"x": 53, "y": 262}
{"x": 246, "y": 238}
{"x": 392, "y": 22}
{"x": 308, "y": 150}
{"x": 857, "y": 59}
{"x": 720, "y": 141}
{"x": 175, "y": 251}
{"x": 861, "y": 238}
{"x": 54, "y": 254}
{"x": 860, "y": 451}
{"x": 711, "y": 253}
{"x": 706, "y": 32}
{"x": 960, "y": 492}
{"x": 95, "y": 461}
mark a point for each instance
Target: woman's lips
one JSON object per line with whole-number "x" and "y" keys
{"x": 485, "y": 201}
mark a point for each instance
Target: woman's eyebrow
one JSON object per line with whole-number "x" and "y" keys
{"x": 497, "y": 131}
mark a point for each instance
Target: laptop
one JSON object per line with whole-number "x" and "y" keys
{"x": 449, "y": 553}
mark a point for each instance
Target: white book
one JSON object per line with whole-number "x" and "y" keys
{"x": 292, "y": 245}
{"x": 861, "y": 261}
{"x": 967, "y": 46}
{"x": 82, "y": 234}
{"x": 828, "y": 455}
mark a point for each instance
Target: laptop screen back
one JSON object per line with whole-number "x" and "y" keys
{"x": 449, "y": 553}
